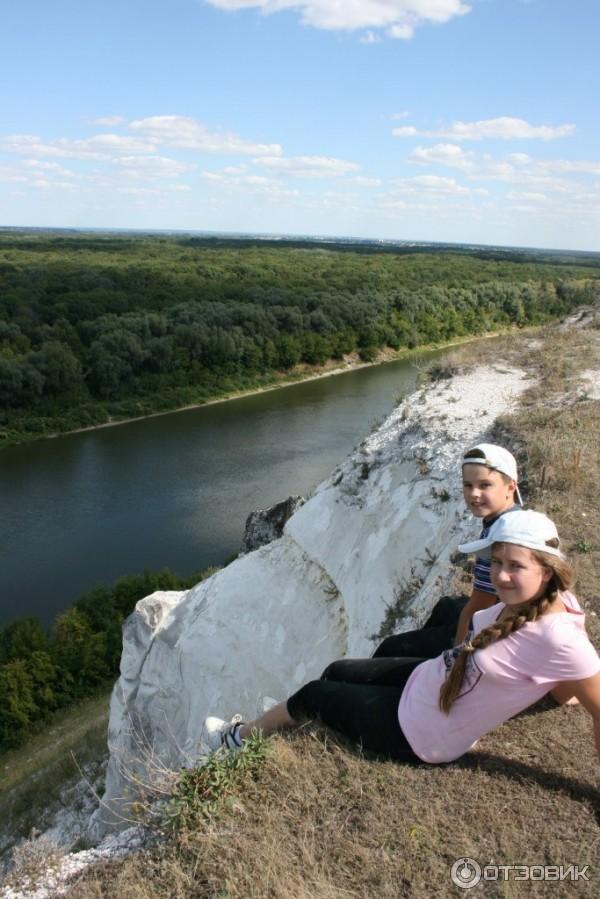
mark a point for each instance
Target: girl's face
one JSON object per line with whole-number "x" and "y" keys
{"x": 485, "y": 491}
{"x": 517, "y": 575}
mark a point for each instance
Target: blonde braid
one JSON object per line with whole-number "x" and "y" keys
{"x": 530, "y": 612}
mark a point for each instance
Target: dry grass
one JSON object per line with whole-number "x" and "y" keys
{"x": 32, "y": 861}
{"x": 321, "y": 821}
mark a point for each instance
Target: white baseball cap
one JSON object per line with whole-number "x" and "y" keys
{"x": 497, "y": 458}
{"x": 524, "y": 527}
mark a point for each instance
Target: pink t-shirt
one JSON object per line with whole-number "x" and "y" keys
{"x": 500, "y": 681}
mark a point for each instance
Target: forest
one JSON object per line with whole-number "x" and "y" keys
{"x": 99, "y": 326}
{"x": 42, "y": 672}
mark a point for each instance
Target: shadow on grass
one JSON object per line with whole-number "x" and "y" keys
{"x": 488, "y": 763}
{"x": 527, "y": 774}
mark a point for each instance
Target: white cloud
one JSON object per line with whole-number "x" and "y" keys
{"x": 363, "y": 181}
{"x": 38, "y": 174}
{"x": 257, "y": 180}
{"x": 347, "y": 201}
{"x": 429, "y": 184}
{"x": 370, "y": 38}
{"x": 442, "y": 154}
{"x": 99, "y": 147}
{"x": 110, "y": 143}
{"x": 399, "y": 116}
{"x": 12, "y": 175}
{"x": 393, "y": 203}
{"x": 308, "y": 166}
{"x": 107, "y": 121}
{"x": 502, "y": 128}
{"x": 536, "y": 172}
{"x": 111, "y": 186}
{"x": 175, "y": 131}
{"x": 528, "y": 196}
{"x": 399, "y": 17}
{"x": 514, "y": 168}
{"x": 137, "y": 191}
{"x": 268, "y": 188}
{"x": 583, "y": 166}
{"x": 47, "y": 184}
{"x": 562, "y": 191}
{"x": 152, "y": 166}
{"x": 117, "y": 173}
{"x": 190, "y": 134}
{"x": 402, "y": 32}
{"x": 50, "y": 167}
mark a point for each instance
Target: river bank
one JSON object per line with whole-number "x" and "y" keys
{"x": 300, "y": 374}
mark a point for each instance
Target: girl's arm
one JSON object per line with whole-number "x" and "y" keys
{"x": 478, "y": 600}
{"x": 587, "y": 692}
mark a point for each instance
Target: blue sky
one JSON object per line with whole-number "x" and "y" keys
{"x": 441, "y": 120}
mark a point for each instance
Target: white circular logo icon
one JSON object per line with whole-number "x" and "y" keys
{"x": 465, "y": 873}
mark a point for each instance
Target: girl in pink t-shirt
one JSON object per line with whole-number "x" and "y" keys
{"x": 435, "y": 710}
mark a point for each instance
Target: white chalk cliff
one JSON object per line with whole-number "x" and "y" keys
{"x": 390, "y": 515}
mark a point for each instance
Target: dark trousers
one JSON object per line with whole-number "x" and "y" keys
{"x": 436, "y": 635}
{"x": 359, "y": 699}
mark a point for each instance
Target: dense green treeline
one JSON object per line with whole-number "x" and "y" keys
{"x": 42, "y": 672}
{"x": 93, "y": 327}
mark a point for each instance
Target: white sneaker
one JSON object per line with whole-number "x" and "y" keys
{"x": 220, "y": 733}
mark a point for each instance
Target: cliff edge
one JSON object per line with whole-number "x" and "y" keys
{"x": 376, "y": 535}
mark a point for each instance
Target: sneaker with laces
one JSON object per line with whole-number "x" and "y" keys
{"x": 226, "y": 734}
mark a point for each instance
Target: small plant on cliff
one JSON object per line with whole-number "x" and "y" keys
{"x": 201, "y": 792}
{"x": 444, "y": 369}
{"x": 395, "y": 611}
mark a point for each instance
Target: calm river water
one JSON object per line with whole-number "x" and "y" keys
{"x": 172, "y": 491}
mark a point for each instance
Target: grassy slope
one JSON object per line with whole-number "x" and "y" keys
{"x": 321, "y": 821}
{"x": 33, "y": 777}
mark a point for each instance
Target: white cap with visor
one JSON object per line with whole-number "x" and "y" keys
{"x": 523, "y": 527}
{"x": 497, "y": 458}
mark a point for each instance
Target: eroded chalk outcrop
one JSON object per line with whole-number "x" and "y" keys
{"x": 388, "y": 517}
{"x": 265, "y": 525}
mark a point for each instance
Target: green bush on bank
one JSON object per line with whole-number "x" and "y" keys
{"x": 44, "y": 671}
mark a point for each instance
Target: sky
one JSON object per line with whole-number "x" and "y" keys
{"x": 471, "y": 121}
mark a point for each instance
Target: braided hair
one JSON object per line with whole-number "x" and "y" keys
{"x": 562, "y": 576}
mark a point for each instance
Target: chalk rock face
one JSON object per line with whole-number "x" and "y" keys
{"x": 378, "y": 533}
{"x": 265, "y": 525}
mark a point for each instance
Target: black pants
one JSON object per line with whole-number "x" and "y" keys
{"x": 359, "y": 698}
{"x": 436, "y": 635}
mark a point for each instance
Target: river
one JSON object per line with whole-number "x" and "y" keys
{"x": 175, "y": 490}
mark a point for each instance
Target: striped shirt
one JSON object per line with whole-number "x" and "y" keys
{"x": 481, "y": 576}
